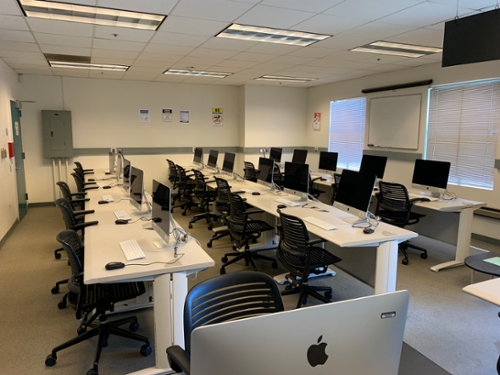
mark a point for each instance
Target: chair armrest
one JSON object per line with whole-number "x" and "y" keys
{"x": 90, "y": 183}
{"x": 251, "y": 212}
{"x": 79, "y": 200}
{"x": 77, "y": 227}
{"x": 85, "y": 212}
{"x": 315, "y": 179}
{"x": 315, "y": 241}
{"x": 416, "y": 200}
{"x": 81, "y": 194}
{"x": 179, "y": 359}
{"x": 90, "y": 188}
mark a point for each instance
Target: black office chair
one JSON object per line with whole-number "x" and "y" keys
{"x": 335, "y": 185}
{"x": 301, "y": 257}
{"x": 81, "y": 185}
{"x": 277, "y": 176}
{"x": 244, "y": 230}
{"x": 221, "y": 206}
{"x": 395, "y": 207}
{"x": 249, "y": 172}
{"x": 92, "y": 303}
{"x": 315, "y": 192}
{"x": 224, "y": 298}
{"x": 185, "y": 187}
{"x": 204, "y": 197}
{"x": 173, "y": 176}
{"x": 84, "y": 171}
{"x": 77, "y": 200}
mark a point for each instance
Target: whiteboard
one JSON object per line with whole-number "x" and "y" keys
{"x": 394, "y": 121}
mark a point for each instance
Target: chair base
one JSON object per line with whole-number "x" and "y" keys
{"x": 221, "y": 232}
{"x": 104, "y": 329}
{"x": 207, "y": 216}
{"x": 248, "y": 256}
{"x": 405, "y": 245}
{"x": 306, "y": 290}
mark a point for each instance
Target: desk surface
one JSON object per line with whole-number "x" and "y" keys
{"x": 488, "y": 290}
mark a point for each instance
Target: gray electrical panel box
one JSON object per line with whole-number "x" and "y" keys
{"x": 57, "y": 134}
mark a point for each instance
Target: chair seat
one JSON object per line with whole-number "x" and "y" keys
{"x": 102, "y": 294}
{"x": 399, "y": 219}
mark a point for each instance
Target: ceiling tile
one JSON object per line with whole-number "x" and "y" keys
{"x": 374, "y": 31}
{"x": 10, "y": 7}
{"x": 22, "y": 55}
{"x": 163, "y": 7}
{"x": 156, "y": 58}
{"x": 309, "y": 51}
{"x": 110, "y": 55}
{"x": 63, "y": 40}
{"x": 212, "y": 53}
{"x": 369, "y": 9}
{"x": 316, "y": 6}
{"x": 175, "y": 39}
{"x": 470, "y": 4}
{"x": 160, "y": 63}
{"x": 198, "y": 62}
{"x": 287, "y": 59}
{"x": 17, "y": 36}
{"x": 329, "y": 25}
{"x": 237, "y": 64}
{"x": 215, "y": 10}
{"x": 229, "y": 44}
{"x": 256, "y": 57}
{"x": 273, "y": 48}
{"x": 13, "y": 22}
{"x": 36, "y": 61}
{"x": 32, "y": 69}
{"x": 193, "y": 26}
{"x": 70, "y": 72}
{"x": 280, "y": 18}
{"x": 105, "y": 74}
{"x": 423, "y": 37}
{"x": 16, "y": 46}
{"x": 123, "y": 33}
{"x": 166, "y": 49}
{"x": 118, "y": 45}
{"x": 60, "y": 27}
{"x": 65, "y": 50}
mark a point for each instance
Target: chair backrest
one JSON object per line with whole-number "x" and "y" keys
{"x": 67, "y": 212}
{"x": 229, "y": 297}
{"x": 222, "y": 200}
{"x": 181, "y": 173}
{"x": 73, "y": 246}
{"x": 237, "y": 208}
{"x": 172, "y": 172}
{"x": 393, "y": 203}
{"x": 250, "y": 173}
{"x": 79, "y": 182}
{"x": 66, "y": 192}
{"x": 79, "y": 166}
{"x": 335, "y": 185}
{"x": 294, "y": 235}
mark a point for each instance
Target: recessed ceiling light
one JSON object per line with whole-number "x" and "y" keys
{"x": 91, "y": 15}
{"x": 284, "y": 79}
{"x": 196, "y": 73}
{"x": 74, "y": 65}
{"x": 267, "y": 34}
{"x": 398, "y": 49}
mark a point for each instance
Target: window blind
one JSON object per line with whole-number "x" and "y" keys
{"x": 347, "y": 131}
{"x": 463, "y": 129}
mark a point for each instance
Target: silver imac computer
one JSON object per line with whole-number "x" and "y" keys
{"x": 296, "y": 180}
{"x": 228, "y": 163}
{"x": 119, "y": 166}
{"x": 212, "y": 159}
{"x": 160, "y": 214}
{"x": 126, "y": 174}
{"x": 111, "y": 167}
{"x": 198, "y": 156}
{"x": 265, "y": 176}
{"x": 431, "y": 176}
{"x": 354, "y": 194}
{"x": 328, "y": 161}
{"x": 373, "y": 164}
{"x": 136, "y": 187}
{"x": 275, "y": 154}
{"x": 299, "y": 156}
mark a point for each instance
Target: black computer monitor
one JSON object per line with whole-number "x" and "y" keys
{"x": 136, "y": 187}
{"x": 126, "y": 174}
{"x": 373, "y": 164}
{"x": 296, "y": 179}
{"x": 265, "y": 176}
{"x": 354, "y": 192}
{"x": 328, "y": 161}
{"x": 198, "y": 155}
{"x": 299, "y": 156}
{"x": 275, "y": 154}
{"x": 212, "y": 158}
{"x": 160, "y": 213}
{"x": 431, "y": 175}
{"x": 228, "y": 163}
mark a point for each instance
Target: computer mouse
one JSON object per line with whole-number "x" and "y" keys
{"x": 368, "y": 230}
{"x": 156, "y": 219}
{"x": 103, "y": 202}
{"x": 114, "y": 265}
{"x": 255, "y": 193}
{"x": 280, "y": 206}
{"x": 121, "y": 221}
{"x": 91, "y": 179}
{"x": 106, "y": 187}
{"x": 322, "y": 179}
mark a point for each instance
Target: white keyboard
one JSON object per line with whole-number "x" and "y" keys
{"x": 122, "y": 214}
{"x": 287, "y": 202}
{"x": 319, "y": 223}
{"x": 108, "y": 198}
{"x": 132, "y": 250}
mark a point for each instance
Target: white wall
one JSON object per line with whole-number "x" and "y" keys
{"x": 8, "y": 189}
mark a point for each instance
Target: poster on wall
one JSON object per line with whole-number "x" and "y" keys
{"x": 144, "y": 114}
{"x": 166, "y": 114}
{"x": 217, "y": 117}
{"x": 317, "y": 121}
{"x": 184, "y": 116}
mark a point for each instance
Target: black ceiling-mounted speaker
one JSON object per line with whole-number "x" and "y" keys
{"x": 472, "y": 39}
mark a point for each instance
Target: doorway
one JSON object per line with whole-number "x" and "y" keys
{"x": 22, "y": 196}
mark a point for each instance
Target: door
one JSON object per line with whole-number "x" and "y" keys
{"x": 22, "y": 196}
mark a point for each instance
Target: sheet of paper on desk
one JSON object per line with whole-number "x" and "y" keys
{"x": 494, "y": 260}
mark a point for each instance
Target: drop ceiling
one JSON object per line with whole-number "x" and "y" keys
{"x": 186, "y": 39}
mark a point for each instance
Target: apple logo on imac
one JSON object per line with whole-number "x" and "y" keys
{"x": 316, "y": 354}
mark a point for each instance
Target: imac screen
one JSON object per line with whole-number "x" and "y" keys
{"x": 265, "y": 168}
{"x": 431, "y": 174}
{"x": 212, "y": 158}
{"x": 296, "y": 178}
{"x": 275, "y": 154}
{"x": 198, "y": 155}
{"x": 126, "y": 174}
{"x": 354, "y": 192}
{"x": 373, "y": 164}
{"x": 299, "y": 156}
{"x": 136, "y": 187}
{"x": 228, "y": 164}
{"x": 160, "y": 214}
{"x": 328, "y": 161}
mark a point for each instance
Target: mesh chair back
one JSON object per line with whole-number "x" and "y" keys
{"x": 73, "y": 246}
{"x": 250, "y": 172}
{"x": 67, "y": 212}
{"x": 79, "y": 182}
{"x": 393, "y": 197}
{"x": 294, "y": 235}
{"x": 222, "y": 199}
{"x": 66, "y": 192}
{"x": 229, "y": 297}
{"x": 79, "y": 166}
{"x": 237, "y": 209}
{"x": 335, "y": 185}
{"x": 181, "y": 173}
{"x": 172, "y": 173}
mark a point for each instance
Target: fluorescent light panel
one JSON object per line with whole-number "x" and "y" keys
{"x": 63, "y": 64}
{"x": 267, "y": 34}
{"x": 196, "y": 73}
{"x": 91, "y": 15}
{"x": 398, "y": 49}
{"x": 284, "y": 79}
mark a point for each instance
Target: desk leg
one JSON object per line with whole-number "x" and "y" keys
{"x": 386, "y": 267}
{"x": 463, "y": 241}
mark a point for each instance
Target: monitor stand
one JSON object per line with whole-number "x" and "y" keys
{"x": 160, "y": 244}
{"x": 356, "y": 221}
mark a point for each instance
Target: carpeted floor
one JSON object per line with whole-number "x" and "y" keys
{"x": 457, "y": 331}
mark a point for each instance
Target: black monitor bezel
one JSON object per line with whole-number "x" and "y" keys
{"x": 373, "y": 164}
{"x": 327, "y": 156}
{"x": 299, "y": 156}
{"x": 198, "y": 155}
{"x": 265, "y": 164}
{"x": 277, "y": 151}
{"x": 229, "y": 158}
{"x": 425, "y": 173}
{"x": 213, "y": 155}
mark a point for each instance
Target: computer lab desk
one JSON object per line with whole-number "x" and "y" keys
{"x": 170, "y": 284}
{"x": 345, "y": 240}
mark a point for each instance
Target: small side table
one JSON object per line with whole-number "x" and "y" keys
{"x": 477, "y": 263}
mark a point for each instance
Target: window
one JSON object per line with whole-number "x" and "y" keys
{"x": 462, "y": 128}
{"x": 347, "y": 131}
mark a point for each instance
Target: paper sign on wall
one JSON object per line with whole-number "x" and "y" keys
{"x": 144, "y": 113}
{"x": 166, "y": 114}
{"x": 317, "y": 121}
{"x": 184, "y": 116}
{"x": 217, "y": 117}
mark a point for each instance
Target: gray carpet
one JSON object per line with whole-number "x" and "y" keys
{"x": 457, "y": 331}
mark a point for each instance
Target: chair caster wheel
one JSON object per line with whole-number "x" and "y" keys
{"x": 328, "y": 295}
{"x": 209, "y": 244}
{"x": 80, "y": 331}
{"x": 146, "y": 350}
{"x": 55, "y": 290}
{"x": 92, "y": 372}
{"x": 50, "y": 360}
{"x": 210, "y": 227}
{"x": 57, "y": 255}
{"x": 224, "y": 259}
{"x": 62, "y": 305}
{"x": 423, "y": 256}
{"x": 133, "y": 326}
{"x": 405, "y": 262}
{"x": 222, "y": 271}
{"x": 190, "y": 226}
{"x": 274, "y": 265}
{"x": 183, "y": 214}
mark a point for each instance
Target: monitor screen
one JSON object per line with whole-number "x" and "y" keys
{"x": 198, "y": 155}
{"x": 430, "y": 175}
{"x": 328, "y": 161}
{"x": 373, "y": 164}
{"x": 160, "y": 214}
{"x": 111, "y": 167}
{"x": 296, "y": 179}
{"x": 126, "y": 174}
{"x": 136, "y": 187}
{"x": 299, "y": 156}
{"x": 228, "y": 164}
{"x": 275, "y": 154}
{"x": 266, "y": 167}
{"x": 212, "y": 158}
{"x": 354, "y": 192}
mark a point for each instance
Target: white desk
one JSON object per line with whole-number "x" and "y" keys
{"x": 385, "y": 239}
{"x": 488, "y": 290}
{"x": 170, "y": 285}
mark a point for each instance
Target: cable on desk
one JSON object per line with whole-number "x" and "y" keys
{"x": 179, "y": 256}
{"x": 448, "y": 196}
{"x": 142, "y": 218}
